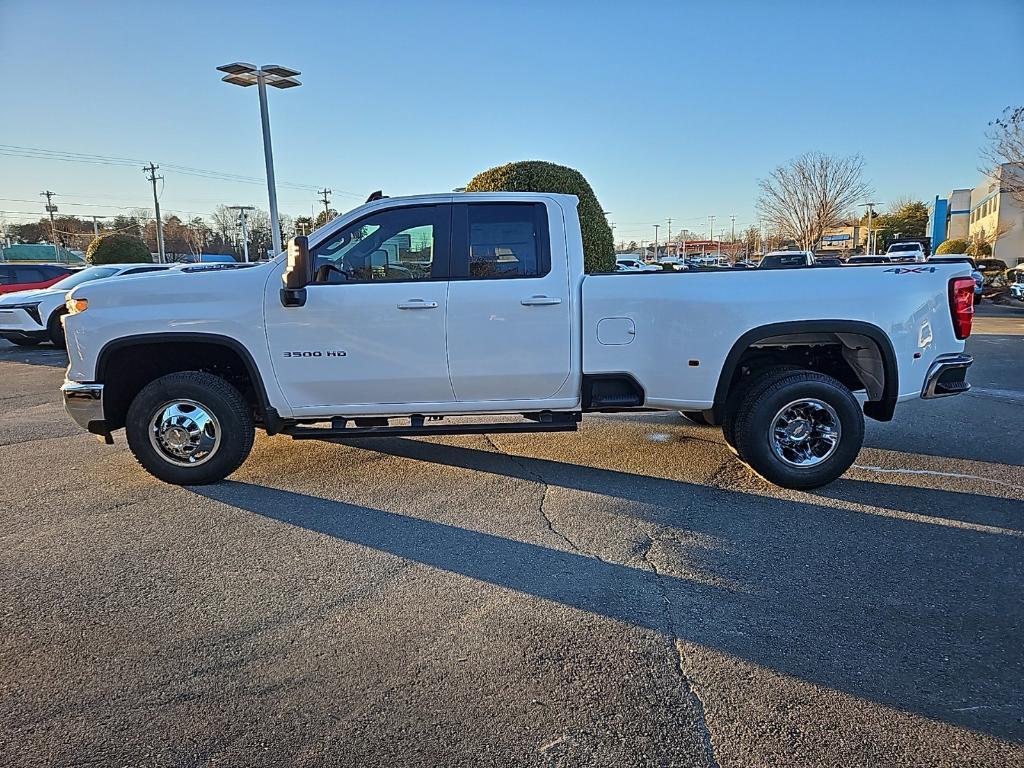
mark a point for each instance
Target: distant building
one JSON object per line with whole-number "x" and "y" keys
{"x": 41, "y": 252}
{"x": 995, "y": 214}
{"x": 989, "y": 212}
{"x": 842, "y": 241}
{"x": 948, "y": 217}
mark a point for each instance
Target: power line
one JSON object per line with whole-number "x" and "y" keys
{"x": 14, "y": 150}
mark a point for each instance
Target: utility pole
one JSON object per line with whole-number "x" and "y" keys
{"x": 243, "y": 220}
{"x": 656, "y": 241}
{"x": 711, "y": 227}
{"x": 325, "y": 195}
{"x": 52, "y": 209}
{"x": 871, "y": 211}
{"x": 669, "y": 238}
{"x": 95, "y": 227}
{"x": 153, "y": 178}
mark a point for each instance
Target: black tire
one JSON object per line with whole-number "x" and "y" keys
{"x": 217, "y": 397}
{"x": 757, "y": 413}
{"x": 697, "y": 417}
{"x": 24, "y": 342}
{"x": 739, "y": 392}
{"x": 55, "y": 330}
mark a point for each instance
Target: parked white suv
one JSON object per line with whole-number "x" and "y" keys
{"x": 906, "y": 252}
{"x": 405, "y": 311}
{"x": 28, "y": 318}
{"x": 631, "y": 264}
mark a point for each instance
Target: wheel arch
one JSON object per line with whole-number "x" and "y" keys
{"x": 880, "y": 409}
{"x": 207, "y": 342}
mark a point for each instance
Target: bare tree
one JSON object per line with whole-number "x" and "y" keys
{"x": 225, "y": 223}
{"x": 1006, "y": 145}
{"x": 810, "y": 194}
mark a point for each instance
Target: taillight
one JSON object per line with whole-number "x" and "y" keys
{"x": 961, "y": 305}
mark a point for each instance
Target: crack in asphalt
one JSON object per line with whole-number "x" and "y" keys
{"x": 689, "y": 689}
{"x": 549, "y": 523}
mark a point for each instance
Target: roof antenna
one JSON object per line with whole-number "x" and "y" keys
{"x": 378, "y": 195}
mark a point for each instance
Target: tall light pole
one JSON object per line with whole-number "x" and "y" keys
{"x": 656, "y": 241}
{"x": 871, "y": 212}
{"x": 275, "y": 76}
{"x": 711, "y": 226}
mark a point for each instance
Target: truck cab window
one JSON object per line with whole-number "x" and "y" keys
{"x": 508, "y": 240}
{"x": 392, "y": 245}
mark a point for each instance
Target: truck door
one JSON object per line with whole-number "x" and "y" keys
{"x": 508, "y": 303}
{"x": 372, "y": 331}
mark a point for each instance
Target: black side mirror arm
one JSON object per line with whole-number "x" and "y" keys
{"x": 293, "y": 297}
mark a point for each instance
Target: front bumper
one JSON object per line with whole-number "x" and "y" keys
{"x": 84, "y": 404}
{"x": 20, "y": 320}
{"x": 947, "y": 376}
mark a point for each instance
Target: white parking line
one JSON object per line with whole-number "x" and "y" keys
{"x": 937, "y": 473}
{"x": 1006, "y": 394}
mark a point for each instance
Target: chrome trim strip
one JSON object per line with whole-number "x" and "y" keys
{"x": 940, "y": 366}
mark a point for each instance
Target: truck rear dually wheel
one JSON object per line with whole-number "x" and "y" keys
{"x": 800, "y": 429}
{"x": 738, "y": 395}
{"x": 189, "y": 428}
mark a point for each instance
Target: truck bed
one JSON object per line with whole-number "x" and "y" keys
{"x": 674, "y": 332}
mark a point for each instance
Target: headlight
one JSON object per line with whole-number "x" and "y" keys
{"x": 76, "y": 306}
{"x": 32, "y": 308}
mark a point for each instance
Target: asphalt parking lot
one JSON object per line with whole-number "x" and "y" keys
{"x": 626, "y": 595}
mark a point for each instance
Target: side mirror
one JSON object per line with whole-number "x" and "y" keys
{"x": 298, "y": 274}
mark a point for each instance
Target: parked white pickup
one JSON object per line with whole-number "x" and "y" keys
{"x": 408, "y": 310}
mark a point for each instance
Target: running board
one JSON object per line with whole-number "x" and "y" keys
{"x": 423, "y": 430}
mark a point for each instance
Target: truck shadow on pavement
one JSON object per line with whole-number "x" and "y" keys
{"x": 919, "y": 617}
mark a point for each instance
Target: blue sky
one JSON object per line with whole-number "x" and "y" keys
{"x": 670, "y": 109}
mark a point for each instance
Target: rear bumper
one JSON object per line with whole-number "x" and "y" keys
{"x": 947, "y": 376}
{"x": 84, "y": 404}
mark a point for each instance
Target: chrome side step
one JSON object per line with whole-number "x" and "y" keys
{"x": 339, "y": 429}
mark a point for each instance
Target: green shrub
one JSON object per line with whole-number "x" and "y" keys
{"x": 951, "y": 246}
{"x": 117, "y": 249}
{"x": 979, "y": 250}
{"x": 539, "y": 176}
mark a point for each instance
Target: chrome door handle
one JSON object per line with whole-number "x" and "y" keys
{"x": 418, "y": 304}
{"x": 540, "y": 301}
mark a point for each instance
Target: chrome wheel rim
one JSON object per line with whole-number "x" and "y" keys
{"x": 804, "y": 433}
{"x": 185, "y": 433}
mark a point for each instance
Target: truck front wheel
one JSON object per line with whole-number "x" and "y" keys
{"x": 800, "y": 430}
{"x": 189, "y": 428}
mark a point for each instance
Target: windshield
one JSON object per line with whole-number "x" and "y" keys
{"x": 905, "y": 247}
{"x": 92, "y": 273}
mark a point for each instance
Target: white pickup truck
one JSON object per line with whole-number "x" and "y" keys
{"x": 409, "y": 311}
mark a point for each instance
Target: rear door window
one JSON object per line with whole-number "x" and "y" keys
{"x": 502, "y": 240}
